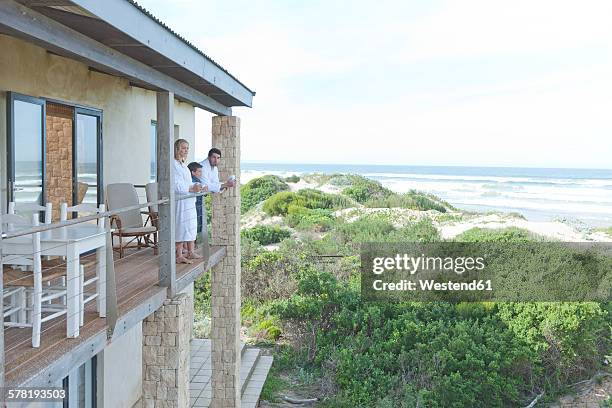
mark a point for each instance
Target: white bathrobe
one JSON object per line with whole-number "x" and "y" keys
{"x": 186, "y": 216}
{"x": 210, "y": 176}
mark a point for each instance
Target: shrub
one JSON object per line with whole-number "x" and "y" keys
{"x": 366, "y": 189}
{"x": 279, "y": 203}
{"x": 260, "y": 323}
{"x": 511, "y": 234}
{"x": 259, "y": 189}
{"x": 420, "y": 231}
{"x": 272, "y": 274}
{"x": 318, "y": 199}
{"x": 412, "y": 200}
{"x": 303, "y": 218}
{"x": 370, "y": 228}
{"x": 405, "y": 355}
{"x": 265, "y": 234}
{"x": 571, "y": 337}
{"x": 292, "y": 179}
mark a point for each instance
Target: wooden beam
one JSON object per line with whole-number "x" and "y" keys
{"x": 126, "y": 45}
{"x": 130, "y": 20}
{"x": 58, "y": 369}
{"x": 165, "y": 183}
{"x": 28, "y": 24}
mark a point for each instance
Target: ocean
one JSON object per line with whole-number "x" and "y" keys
{"x": 582, "y": 196}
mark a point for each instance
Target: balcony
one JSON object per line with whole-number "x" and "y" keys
{"x": 133, "y": 292}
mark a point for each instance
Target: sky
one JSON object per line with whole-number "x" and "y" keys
{"x": 471, "y": 82}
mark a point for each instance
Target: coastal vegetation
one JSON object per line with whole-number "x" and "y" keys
{"x": 302, "y": 298}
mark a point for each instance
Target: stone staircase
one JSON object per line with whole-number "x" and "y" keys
{"x": 254, "y": 369}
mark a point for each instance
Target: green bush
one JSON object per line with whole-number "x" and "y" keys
{"x": 279, "y": 203}
{"x": 302, "y": 218}
{"x": 259, "y": 189}
{"x": 292, "y": 179}
{"x": 265, "y": 234}
{"x": 272, "y": 274}
{"x": 571, "y": 337}
{"x": 261, "y": 325}
{"x": 366, "y": 189}
{"x": 510, "y": 234}
{"x": 406, "y": 355}
{"x": 317, "y": 199}
{"x": 412, "y": 200}
{"x": 420, "y": 231}
{"x": 369, "y": 228}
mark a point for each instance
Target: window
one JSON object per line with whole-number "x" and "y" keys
{"x": 80, "y": 386}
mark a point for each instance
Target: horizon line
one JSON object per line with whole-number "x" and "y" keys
{"x": 425, "y": 165}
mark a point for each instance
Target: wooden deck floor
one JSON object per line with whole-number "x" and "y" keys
{"x": 136, "y": 281}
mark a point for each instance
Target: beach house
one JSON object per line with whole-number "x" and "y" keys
{"x": 93, "y": 95}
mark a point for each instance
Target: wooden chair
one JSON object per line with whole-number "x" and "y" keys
{"x": 85, "y": 297}
{"x": 81, "y": 191}
{"x": 153, "y": 213}
{"x": 25, "y": 287}
{"x": 128, "y": 224}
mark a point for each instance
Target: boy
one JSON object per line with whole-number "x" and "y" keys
{"x": 196, "y": 176}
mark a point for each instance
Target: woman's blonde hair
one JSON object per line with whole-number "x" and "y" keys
{"x": 177, "y": 146}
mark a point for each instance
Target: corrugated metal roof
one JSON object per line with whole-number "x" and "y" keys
{"x": 183, "y": 39}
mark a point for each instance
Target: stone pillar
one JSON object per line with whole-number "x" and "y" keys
{"x": 58, "y": 183}
{"x": 165, "y": 354}
{"x": 225, "y": 277}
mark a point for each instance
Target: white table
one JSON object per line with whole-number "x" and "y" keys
{"x": 70, "y": 242}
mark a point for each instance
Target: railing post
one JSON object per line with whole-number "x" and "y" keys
{"x": 225, "y": 276}
{"x": 204, "y": 234}
{"x": 2, "y": 361}
{"x": 111, "y": 287}
{"x": 165, "y": 182}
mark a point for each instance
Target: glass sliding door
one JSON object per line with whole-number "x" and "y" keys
{"x": 87, "y": 157}
{"x": 26, "y": 148}
{"x": 80, "y": 386}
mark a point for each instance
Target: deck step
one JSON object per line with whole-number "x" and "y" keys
{"x": 250, "y": 394}
{"x": 200, "y": 386}
{"x": 247, "y": 365}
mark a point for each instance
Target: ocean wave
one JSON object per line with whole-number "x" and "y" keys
{"x": 496, "y": 179}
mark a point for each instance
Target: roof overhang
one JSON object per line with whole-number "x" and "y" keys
{"x": 120, "y": 38}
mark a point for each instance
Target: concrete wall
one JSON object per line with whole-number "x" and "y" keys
{"x": 120, "y": 371}
{"x": 127, "y": 111}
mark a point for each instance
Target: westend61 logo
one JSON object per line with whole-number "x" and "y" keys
{"x": 456, "y": 271}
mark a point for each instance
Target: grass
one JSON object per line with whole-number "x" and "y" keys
{"x": 273, "y": 385}
{"x": 605, "y": 230}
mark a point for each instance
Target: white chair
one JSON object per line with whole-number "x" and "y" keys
{"x": 25, "y": 208}
{"x": 85, "y": 297}
{"x": 27, "y": 287}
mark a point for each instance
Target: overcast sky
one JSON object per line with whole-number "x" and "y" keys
{"x": 469, "y": 82}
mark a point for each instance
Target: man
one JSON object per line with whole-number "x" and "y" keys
{"x": 210, "y": 172}
{"x": 196, "y": 176}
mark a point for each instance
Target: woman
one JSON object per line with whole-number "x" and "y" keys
{"x": 186, "y": 216}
